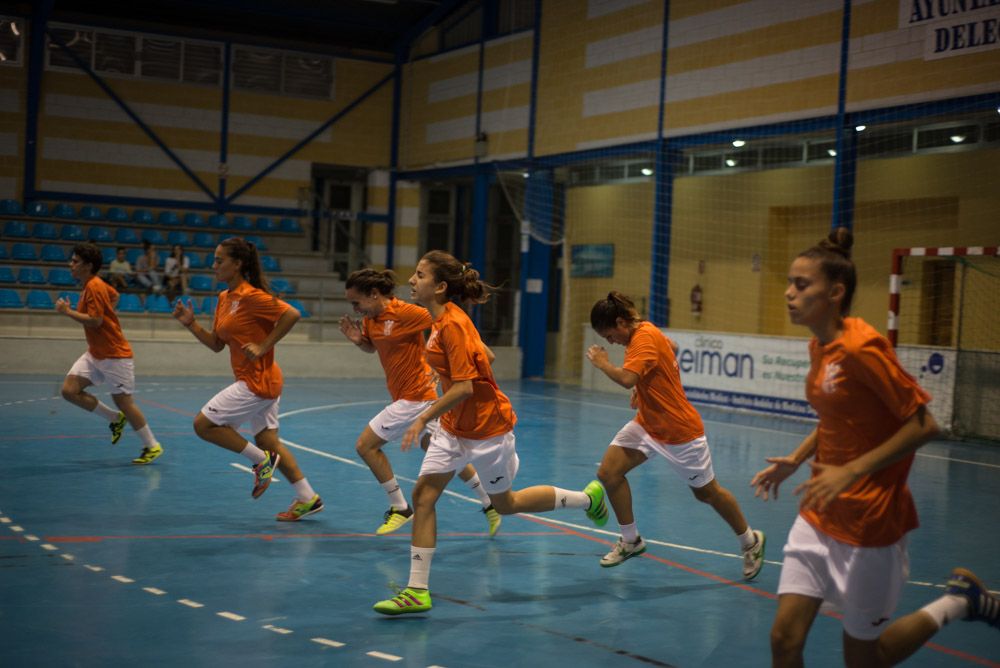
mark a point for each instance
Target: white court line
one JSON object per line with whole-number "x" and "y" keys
{"x": 189, "y": 603}
{"x": 49, "y": 546}
{"x": 277, "y": 629}
{"x": 327, "y": 642}
{"x": 327, "y": 407}
{"x": 4, "y": 520}
{"x": 67, "y": 557}
{"x": 15, "y": 528}
{"x": 122, "y": 579}
{"x": 154, "y": 590}
{"x": 231, "y": 615}
{"x": 30, "y": 537}
{"x": 96, "y": 569}
{"x": 383, "y": 655}
{"x": 741, "y": 427}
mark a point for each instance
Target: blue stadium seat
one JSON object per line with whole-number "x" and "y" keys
{"x": 60, "y": 276}
{"x": 168, "y": 218}
{"x": 126, "y": 235}
{"x": 256, "y": 241}
{"x": 30, "y": 276}
{"x": 10, "y": 299}
{"x": 221, "y": 285}
{"x": 7, "y": 275}
{"x": 39, "y": 299}
{"x": 204, "y": 240}
{"x": 290, "y": 225}
{"x": 281, "y": 285}
{"x": 153, "y": 237}
{"x": 132, "y": 254}
{"x": 107, "y": 254}
{"x": 208, "y": 305}
{"x": 242, "y": 223}
{"x": 194, "y": 261}
{"x": 91, "y": 213}
{"x": 297, "y": 305}
{"x": 63, "y": 210}
{"x": 116, "y": 214}
{"x": 23, "y": 251}
{"x": 200, "y": 283}
{"x": 55, "y": 253}
{"x": 265, "y": 224}
{"x": 71, "y": 233}
{"x": 158, "y": 304}
{"x": 11, "y": 207}
{"x": 163, "y": 255}
{"x": 38, "y": 209}
{"x": 44, "y": 231}
{"x": 16, "y": 229}
{"x": 194, "y": 220}
{"x": 142, "y": 216}
{"x": 178, "y": 237}
{"x": 270, "y": 264}
{"x": 129, "y": 303}
{"x": 3, "y": 252}
{"x": 72, "y": 297}
{"x": 210, "y": 258}
{"x": 102, "y": 235}
{"x": 218, "y": 222}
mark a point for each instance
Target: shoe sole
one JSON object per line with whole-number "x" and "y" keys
{"x": 381, "y": 532}
{"x": 629, "y": 556}
{"x": 402, "y": 611}
{"x": 296, "y": 519}
{"x": 763, "y": 545}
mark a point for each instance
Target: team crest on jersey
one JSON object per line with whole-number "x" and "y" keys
{"x": 830, "y": 377}
{"x": 432, "y": 338}
{"x": 235, "y": 305}
{"x": 387, "y": 327}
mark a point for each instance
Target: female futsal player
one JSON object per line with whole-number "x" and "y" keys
{"x": 395, "y": 330}
{"x": 108, "y": 357}
{"x": 848, "y": 544}
{"x": 666, "y": 424}
{"x": 477, "y": 425}
{"x": 250, "y": 321}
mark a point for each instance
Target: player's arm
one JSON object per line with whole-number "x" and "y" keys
{"x": 598, "y": 356}
{"x": 455, "y": 395}
{"x": 354, "y": 333}
{"x": 88, "y": 321}
{"x": 284, "y": 325}
{"x": 185, "y": 315}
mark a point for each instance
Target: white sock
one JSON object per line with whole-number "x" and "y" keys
{"x": 476, "y": 486}
{"x": 106, "y": 412}
{"x": 747, "y": 539}
{"x": 420, "y": 566}
{"x": 303, "y": 490}
{"x": 570, "y": 499}
{"x": 629, "y": 533}
{"x": 396, "y": 498}
{"x": 253, "y": 453}
{"x": 147, "y": 436}
{"x": 946, "y": 609}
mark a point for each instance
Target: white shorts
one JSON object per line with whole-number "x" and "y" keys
{"x": 236, "y": 404}
{"x": 691, "y": 461}
{"x": 397, "y": 417}
{"x": 119, "y": 372}
{"x": 864, "y": 583}
{"x": 495, "y": 458}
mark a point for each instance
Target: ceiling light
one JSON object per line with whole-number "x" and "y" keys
{"x": 831, "y": 152}
{"x": 860, "y": 128}
{"x": 957, "y": 139}
{"x": 730, "y": 162}
{"x": 737, "y": 143}
{"x": 646, "y": 171}
{"x": 13, "y": 29}
{"x": 525, "y": 174}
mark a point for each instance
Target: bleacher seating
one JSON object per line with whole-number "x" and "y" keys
{"x": 7, "y": 275}
{"x": 142, "y": 216}
{"x": 16, "y": 229}
{"x": 129, "y": 303}
{"x": 167, "y": 218}
{"x": 24, "y": 252}
{"x": 178, "y": 237}
{"x": 132, "y": 254}
{"x": 91, "y": 213}
{"x": 56, "y": 253}
{"x": 126, "y": 235}
{"x": 265, "y": 224}
{"x": 45, "y": 231}
{"x": 116, "y": 214}
{"x": 72, "y": 297}
{"x": 11, "y": 207}
{"x": 290, "y": 225}
{"x": 280, "y": 285}
{"x": 108, "y": 253}
{"x": 256, "y": 241}
{"x": 242, "y": 223}
{"x": 3, "y": 252}
{"x": 208, "y": 305}
{"x": 64, "y": 211}
{"x": 37, "y": 209}
{"x": 270, "y": 264}
{"x": 100, "y": 235}
{"x": 218, "y": 222}
{"x": 158, "y": 304}
{"x": 194, "y": 260}
{"x": 204, "y": 240}
{"x": 61, "y": 277}
{"x": 153, "y": 236}
{"x": 10, "y": 299}
{"x": 200, "y": 283}
{"x": 71, "y": 233}
{"x": 30, "y": 276}
{"x": 39, "y": 299}
{"x": 297, "y": 305}
{"x": 194, "y": 220}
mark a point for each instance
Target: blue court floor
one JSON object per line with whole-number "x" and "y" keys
{"x": 103, "y": 563}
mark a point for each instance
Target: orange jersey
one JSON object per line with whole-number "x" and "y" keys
{"x": 664, "y": 411}
{"x": 456, "y": 352}
{"x": 398, "y": 336}
{"x": 98, "y": 301}
{"x": 247, "y": 315}
{"x": 863, "y": 396}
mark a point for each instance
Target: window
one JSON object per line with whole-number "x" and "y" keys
{"x": 202, "y": 64}
{"x": 80, "y": 42}
{"x": 257, "y": 70}
{"x": 114, "y": 53}
{"x": 954, "y": 135}
{"x": 160, "y": 59}
{"x": 268, "y": 71}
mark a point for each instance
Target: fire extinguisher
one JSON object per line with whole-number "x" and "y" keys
{"x": 696, "y": 301}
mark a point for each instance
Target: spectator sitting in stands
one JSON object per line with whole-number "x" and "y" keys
{"x": 176, "y": 270}
{"x": 120, "y": 271}
{"x": 145, "y": 269}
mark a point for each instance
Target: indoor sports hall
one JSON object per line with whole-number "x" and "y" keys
{"x": 682, "y": 152}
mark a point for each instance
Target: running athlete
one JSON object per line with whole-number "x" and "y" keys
{"x": 395, "y": 330}
{"x": 477, "y": 425}
{"x": 108, "y": 357}
{"x": 251, "y": 321}
{"x": 848, "y": 545}
{"x": 666, "y": 424}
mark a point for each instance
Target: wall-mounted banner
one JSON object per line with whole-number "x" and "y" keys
{"x": 767, "y": 374}
{"x": 953, "y": 27}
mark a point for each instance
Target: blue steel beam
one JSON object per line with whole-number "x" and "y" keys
{"x": 845, "y": 167}
{"x": 224, "y": 130}
{"x": 40, "y": 12}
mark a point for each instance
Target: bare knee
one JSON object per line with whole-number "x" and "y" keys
{"x": 609, "y": 477}
{"x": 202, "y": 426}
{"x": 71, "y": 389}
{"x": 786, "y": 645}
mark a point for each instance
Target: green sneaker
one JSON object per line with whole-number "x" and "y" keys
{"x": 117, "y": 427}
{"x": 408, "y": 601}
{"x": 300, "y": 509}
{"x": 493, "y": 518}
{"x": 598, "y": 511}
{"x": 148, "y": 455}
{"x": 753, "y": 557}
